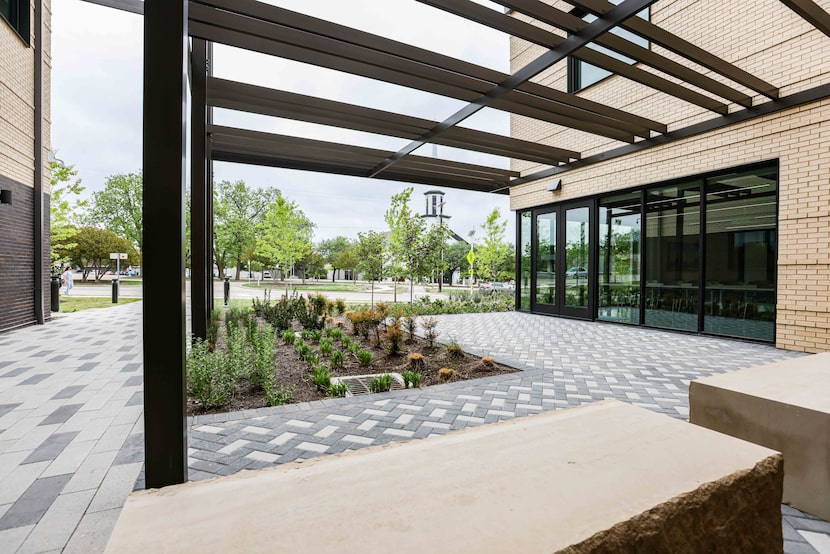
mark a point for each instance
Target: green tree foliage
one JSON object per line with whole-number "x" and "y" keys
{"x": 118, "y": 207}
{"x": 65, "y": 210}
{"x": 312, "y": 265}
{"x": 455, "y": 257}
{"x": 493, "y": 251}
{"x": 348, "y": 259}
{"x": 284, "y": 235}
{"x": 371, "y": 249}
{"x": 330, "y": 249}
{"x": 406, "y": 231}
{"x": 91, "y": 248}
{"x": 238, "y": 212}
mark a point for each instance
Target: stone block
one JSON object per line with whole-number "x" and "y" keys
{"x": 602, "y": 477}
{"x": 784, "y": 406}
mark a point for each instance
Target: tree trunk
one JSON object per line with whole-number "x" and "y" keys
{"x": 411, "y": 288}
{"x": 333, "y": 273}
{"x": 373, "y": 292}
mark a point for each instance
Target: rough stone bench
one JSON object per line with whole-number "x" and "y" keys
{"x": 605, "y": 476}
{"x": 784, "y": 406}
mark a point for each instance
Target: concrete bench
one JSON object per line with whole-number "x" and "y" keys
{"x": 605, "y": 476}
{"x": 784, "y": 406}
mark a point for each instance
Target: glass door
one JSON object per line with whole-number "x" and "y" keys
{"x": 544, "y": 272}
{"x": 576, "y": 271}
{"x": 562, "y": 277}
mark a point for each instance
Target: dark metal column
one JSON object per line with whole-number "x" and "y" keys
{"x": 165, "y": 87}
{"x": 200, "y": 272}
{"x": 209, "y": 193}
{"x": 39, "y": 220}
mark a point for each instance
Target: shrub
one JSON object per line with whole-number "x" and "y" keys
{"x": 364, "y": 357}
{"x": 305, "y": 334}
{"x": 213, "y": 328}
{"x": 279, "y": 315}
{"x": 337, "y": 358}
{"x": 210, "y": 378}
{"x": 486, "y": 360}
{"x": 317, "y": 305}
{"x": 311, "y": 357}
{"x": 316, "y": 335}
{"x": 416, "y": 361}
{"x": 329, "y": 320}
{"x": 335, "y": 333}
{"x": 411, "y": 378}
{"x": 393, "y": 336}
{"x": 354, "y": 348}
{"x": 264, "y": 358}
{"x": 338, "y": 390}
{"x": 325, "y": 347}
{"x": 321, "y": 377}
{"x": 356, "y": 319}
{"x": 454, "y": 349}
{"x": 288, "y": 336}
{"x": 410, "y": 325}
{"x": 381, "y": 384}
{"x": 430, "y": 332}
{"x": 340, "y": 306}
{"x": 446, "y": 374}
{"x": 239, "y": 351}
{"x": 345, "y": 342}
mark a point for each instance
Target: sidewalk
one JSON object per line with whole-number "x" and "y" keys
{"x": 71, "y": 432}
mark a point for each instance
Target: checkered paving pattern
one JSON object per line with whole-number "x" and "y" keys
{"x": 71, "y": 431}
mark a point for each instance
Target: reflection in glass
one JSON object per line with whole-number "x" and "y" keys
{"x": 577, "y": 237}
{"x": 740, "y": 254}
{"x": 524, "y": 260}
{"x": 619, "y": 258}
{"x": 546, "y": 258}
{"x": 672, "y": 256}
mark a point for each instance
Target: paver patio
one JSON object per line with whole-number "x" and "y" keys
{"x": 71, "y": 431}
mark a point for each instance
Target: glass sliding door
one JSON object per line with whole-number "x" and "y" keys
{"x": 619, "y": 258}
{"x": 545, "y": 273}
{"x": 576, "y": 226}
{"x": 740, "y": 269}
{"x": 672, "y": 245}
{"x": 525, "y": 251}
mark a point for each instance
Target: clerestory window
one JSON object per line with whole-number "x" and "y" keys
{"x": 16, "y": 14}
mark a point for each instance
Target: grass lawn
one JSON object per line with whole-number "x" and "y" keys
{"x": 71, "y": 304}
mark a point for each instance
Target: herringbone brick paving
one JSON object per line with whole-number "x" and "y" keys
{"x": 71, "y": 401}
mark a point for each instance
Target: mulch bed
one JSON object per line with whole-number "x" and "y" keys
{"x": 293, "y": 370}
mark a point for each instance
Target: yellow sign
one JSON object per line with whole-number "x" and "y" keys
{"x": 471, "y": 257}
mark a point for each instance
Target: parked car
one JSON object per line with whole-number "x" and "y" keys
{"x": 575, "y": 272}
{"x": 266, "y": 274}
{"x": 485, "y": 286}
{"x": 502, "y": 287}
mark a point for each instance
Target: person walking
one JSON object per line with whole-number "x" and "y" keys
{"x": 67, "y": 279}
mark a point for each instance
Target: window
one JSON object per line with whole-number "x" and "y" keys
{"x": 525, "y": 246}
{"x": 16, "y": 13}
{"x": 582, "y": 74}
{"x": 619, "y": 258}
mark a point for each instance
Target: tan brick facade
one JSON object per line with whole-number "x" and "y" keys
{"x": 781, "y": 49}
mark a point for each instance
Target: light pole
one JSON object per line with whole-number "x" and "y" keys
{"x": 441, "y": 259}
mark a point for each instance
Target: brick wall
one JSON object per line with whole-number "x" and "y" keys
{"x": 778, "y": 47}
{"x": 17, "y": 173}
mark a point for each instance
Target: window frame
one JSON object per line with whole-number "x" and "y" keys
{"x": 19, "y": 19}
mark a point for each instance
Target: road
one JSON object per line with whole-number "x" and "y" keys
{"x": 383, "y": 292}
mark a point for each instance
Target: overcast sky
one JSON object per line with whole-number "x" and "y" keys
{"x": 96, "y": 106}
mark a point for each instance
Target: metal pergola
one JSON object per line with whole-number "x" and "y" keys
{"x": 178, "y": 40}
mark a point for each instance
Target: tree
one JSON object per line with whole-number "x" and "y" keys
{"x": 65, "y": 210}
{"x": 348, "y": 259}
{"x": 238, "y": 211}
{"x": 406, "y": 230}
{"x": 285, "y": 235}
{"x": 493, "y": 250}
{"x": 91, "y": 251}
{"x": 313, "y": 265}
{"x": 330, "y": 249}
{"x": 118, "y": 207}
{"x": 455, "y": 257}
{"x": 371, "y": 248}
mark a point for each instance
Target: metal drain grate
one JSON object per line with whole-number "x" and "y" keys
{"x": 359, "y": 384}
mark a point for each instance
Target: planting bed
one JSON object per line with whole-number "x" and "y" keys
{"x": 294, "y": 372}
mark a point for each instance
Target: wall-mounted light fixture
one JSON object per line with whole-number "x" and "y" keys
{"x": 556, "y": 184}
{"x": 5, "y": 197}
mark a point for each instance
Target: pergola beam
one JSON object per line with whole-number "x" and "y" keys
{"x": 276, "y": 31}
{"x": 810, "y": 12}
{"x": 628, "y": 8}
{"x": 131, "y": 6}
{"x": 531, "y": 33}
{"x": 251, "y": 98}
{"x": 573, "y": 24}
{"x": 684, "y": 48}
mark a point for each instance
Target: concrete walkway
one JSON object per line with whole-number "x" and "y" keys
{"x": 71, "y": 433}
